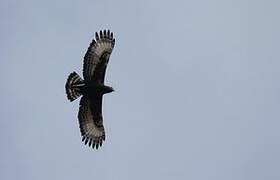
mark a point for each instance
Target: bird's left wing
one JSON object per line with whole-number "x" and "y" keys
{"x": 97, "y": 55}
{"x": 91, "y": 121}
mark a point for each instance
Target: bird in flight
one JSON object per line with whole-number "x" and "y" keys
{"x": 92, "y": 88}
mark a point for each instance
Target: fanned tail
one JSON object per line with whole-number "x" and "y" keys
{"x": 73, "y": 86}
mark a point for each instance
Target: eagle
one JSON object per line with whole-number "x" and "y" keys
{"x": 92, "y": 88}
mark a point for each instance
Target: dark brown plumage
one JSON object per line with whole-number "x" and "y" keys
{"x": 92, "y": 88}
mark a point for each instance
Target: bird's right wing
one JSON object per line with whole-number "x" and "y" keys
{"x": 103, "y": 43}
{"x": 91, "y": 123}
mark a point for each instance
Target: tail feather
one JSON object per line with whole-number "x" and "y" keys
{"x": 73, "y": 86}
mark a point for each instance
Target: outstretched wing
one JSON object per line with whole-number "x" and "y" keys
{"x": 97, "y": 56}
{"x": 91, "y": 121}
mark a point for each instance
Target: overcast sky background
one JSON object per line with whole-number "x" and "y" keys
{"x": 197, "y": 90}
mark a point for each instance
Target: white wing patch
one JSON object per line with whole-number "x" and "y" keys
{"x": 104, "y": 43}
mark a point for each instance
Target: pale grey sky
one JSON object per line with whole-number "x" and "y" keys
{"x": 197, "y": 90}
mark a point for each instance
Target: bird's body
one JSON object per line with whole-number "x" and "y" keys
{"x": 92, "y": 88}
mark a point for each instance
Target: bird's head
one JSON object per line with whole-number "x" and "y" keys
{"x": 108, "y": 89}
{"x": 111, "y": 89}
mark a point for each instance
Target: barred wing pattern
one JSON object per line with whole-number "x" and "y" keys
{"x": 91, "y": 123}
{"x": 103, "y": 44}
